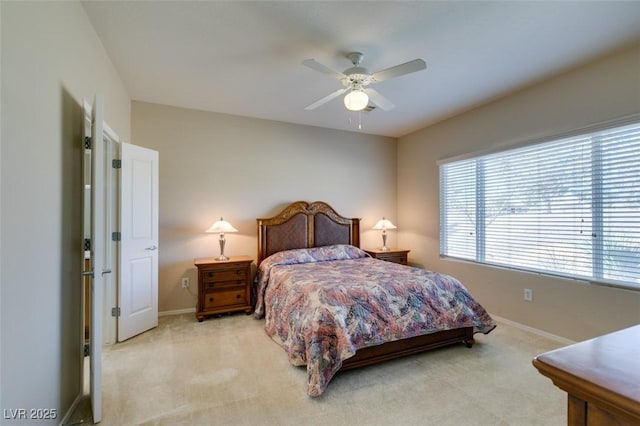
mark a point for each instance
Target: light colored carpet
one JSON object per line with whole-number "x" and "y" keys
{"x": 227, "y": 371}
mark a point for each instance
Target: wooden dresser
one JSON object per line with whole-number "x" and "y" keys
{"x": 223, "y": 286}
{"x": 601, "y": 376}
{"x": 395, "y": 255}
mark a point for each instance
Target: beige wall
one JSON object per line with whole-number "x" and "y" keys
{"x": 214, "y": 165}
{"x": 51, "y": 60}
{"x": 604, "y": 90}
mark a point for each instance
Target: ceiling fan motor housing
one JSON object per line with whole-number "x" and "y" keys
{"x": 356, "y": 77}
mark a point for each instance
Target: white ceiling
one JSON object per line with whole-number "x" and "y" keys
{"x": 244, "y": 58}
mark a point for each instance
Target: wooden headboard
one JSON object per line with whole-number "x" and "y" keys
{"x": 304, "y": 225}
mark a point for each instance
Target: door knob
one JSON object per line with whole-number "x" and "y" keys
{"x": 153, "y": 247}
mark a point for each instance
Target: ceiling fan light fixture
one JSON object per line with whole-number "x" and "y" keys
{"x": 356, "y": 100}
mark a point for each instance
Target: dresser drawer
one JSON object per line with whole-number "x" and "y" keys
{"x": 231, "y": 297}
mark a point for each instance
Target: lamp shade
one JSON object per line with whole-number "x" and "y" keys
{"x": 384, "y": 224}
{"x": 221, "y": 227}
{"x": 356, "y": 100}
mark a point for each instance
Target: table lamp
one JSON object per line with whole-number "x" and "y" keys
{"x": 221, "y": 227}
{"x": 384, "y": 224}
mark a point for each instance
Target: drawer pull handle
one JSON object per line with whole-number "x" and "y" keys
{"x": 211, "y": 299}
{"x": 211, "y": 274}
{"x": 238, "y": 296}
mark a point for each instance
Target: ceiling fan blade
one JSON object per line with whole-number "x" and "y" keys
{"x": 326, "y": 99}
{"x": 379, "y": 100}
{"x": 315, "y": 65}
{"x": 398, "y": 70}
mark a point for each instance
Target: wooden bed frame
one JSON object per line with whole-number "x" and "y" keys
{"x": 306, "y": 225}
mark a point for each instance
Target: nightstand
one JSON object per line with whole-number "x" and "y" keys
{"x": 223, "y": 286}
{"x": 395, "y": 255}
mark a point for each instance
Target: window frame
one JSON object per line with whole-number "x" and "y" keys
{"x": 597, "y": 204}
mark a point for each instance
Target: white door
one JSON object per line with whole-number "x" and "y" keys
{"x": 97, "y": 251}
{"x": 138, "y": 294}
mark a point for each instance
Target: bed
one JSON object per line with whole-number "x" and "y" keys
{"x": 332, "y": 307}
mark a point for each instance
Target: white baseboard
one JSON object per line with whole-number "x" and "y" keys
{"x": 71, "y": 410}
{"x": 558, "y": 339}
{"x": 177, "y": 312}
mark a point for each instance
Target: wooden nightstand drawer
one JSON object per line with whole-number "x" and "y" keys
{"x": 215, "y": 285}
{"x": 223, "y": 286}
{"x": 210, "y": 276}
{"x": 219, "y": 299}
{"x": 392, "y": 255}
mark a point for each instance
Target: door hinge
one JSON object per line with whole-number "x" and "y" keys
{"x": 116, "y": 236}
{"x": 87, "y": 244}
{"x": 115, "y": 312}
{"x": 87, "y": 142}
{"x": 87, "y": 349}
{"x": 116, "y": 164}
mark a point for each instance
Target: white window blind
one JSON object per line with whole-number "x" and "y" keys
{"x": 568, "y": 207}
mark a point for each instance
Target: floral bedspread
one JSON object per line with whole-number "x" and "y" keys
{"x": 322, "y": 304}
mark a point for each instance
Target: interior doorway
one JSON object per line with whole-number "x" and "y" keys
{"x": 120, "y": 226}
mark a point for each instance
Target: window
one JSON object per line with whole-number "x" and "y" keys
{"x": 568, "y": 207}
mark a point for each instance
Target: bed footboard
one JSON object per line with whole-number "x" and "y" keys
{"x": 399, "y": 348}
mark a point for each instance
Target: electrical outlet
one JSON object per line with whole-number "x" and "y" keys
{"x": 185, "y": 282}
{"x": 528, "y": 295}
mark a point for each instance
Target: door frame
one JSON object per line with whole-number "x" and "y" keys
{"x": 112, "y": 209}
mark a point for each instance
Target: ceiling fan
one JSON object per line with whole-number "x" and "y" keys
{"x": 356, "y": 80}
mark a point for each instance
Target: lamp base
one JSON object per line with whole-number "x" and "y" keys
{"x": 384, "y": 241}
{"x": 222, "y": 257}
